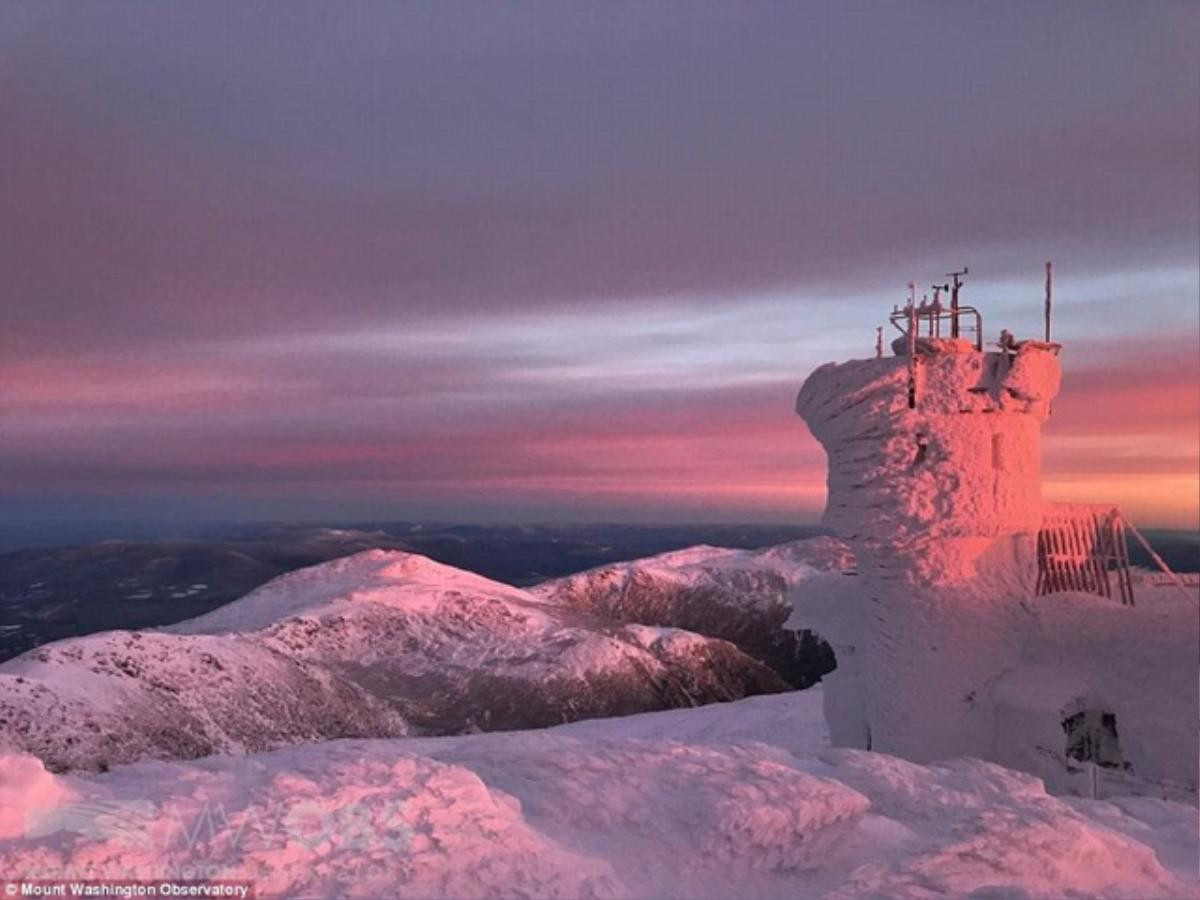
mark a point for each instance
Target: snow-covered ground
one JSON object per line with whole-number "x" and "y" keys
{"x": 741, "y": 799}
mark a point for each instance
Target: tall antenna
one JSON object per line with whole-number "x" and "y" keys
{"x": 1049, "y": 283}
{"x": 912, "y": 345}
{"x": 957, "y": 276}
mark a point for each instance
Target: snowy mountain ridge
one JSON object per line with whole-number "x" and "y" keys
{"x": 406, "y": 581}
{"x": 379, "y": 644}
{"x": 739, "y": 595}
{"x": 701, "y": 564}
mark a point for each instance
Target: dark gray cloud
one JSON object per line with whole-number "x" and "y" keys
{"x": 555, "y": 258}
{"x": 249, "y": 167}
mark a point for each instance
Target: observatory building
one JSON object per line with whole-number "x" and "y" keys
{"x": 983, "y": 621}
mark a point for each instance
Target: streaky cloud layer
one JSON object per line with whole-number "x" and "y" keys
{"x": 570, "y": 262}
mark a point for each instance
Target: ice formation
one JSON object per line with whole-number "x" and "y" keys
{"x": 943, "y": 649}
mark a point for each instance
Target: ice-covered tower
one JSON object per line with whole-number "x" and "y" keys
{"x": 935, "y": 481}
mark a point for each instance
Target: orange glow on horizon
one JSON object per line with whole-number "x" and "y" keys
{"x": 1127, "y": 435}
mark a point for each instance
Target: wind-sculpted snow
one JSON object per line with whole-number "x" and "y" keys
{"x": 697, "y": 804}
{"x": 965, "y": 462}
{"x": 736, "y": 595}
{"x": 374, "y": 645}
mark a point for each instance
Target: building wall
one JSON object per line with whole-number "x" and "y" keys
{"x": 941, "y": 503}
{"x": 1139, "y": 664}
{"x": 947, "y": 650}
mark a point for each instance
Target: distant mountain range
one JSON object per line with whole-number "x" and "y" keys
{"x": 48, "y": 593}
{"x": 737, "y": 595}
{"x": 375, "y": 640}
{"x": 379, "y": 644}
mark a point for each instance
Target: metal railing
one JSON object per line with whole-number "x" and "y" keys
{"x": 929, "y": 319}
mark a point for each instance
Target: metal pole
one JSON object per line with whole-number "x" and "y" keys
{"x": 879, "y": 342}
{"x": 912, "y": 345}
{"x": 957, "y": 276}
{"x": 1175, "y": 579}
{"x": 1049, "y": 279}
{"x": 954, "y": 309}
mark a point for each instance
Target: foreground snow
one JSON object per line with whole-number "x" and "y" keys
{"x": 739, "y": 799}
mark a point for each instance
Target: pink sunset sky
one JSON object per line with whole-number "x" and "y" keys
{"x": 571, "y": 261}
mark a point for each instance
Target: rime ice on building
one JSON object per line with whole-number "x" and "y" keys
{"x": 985, "y": 622}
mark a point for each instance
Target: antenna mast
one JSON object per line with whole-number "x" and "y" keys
{"x": 912, "y": 345}
{"x": 1049, "y": 281}
{"x": 957, "y": 276}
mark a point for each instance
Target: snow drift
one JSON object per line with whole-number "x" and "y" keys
{"x": 712, "y": 802}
